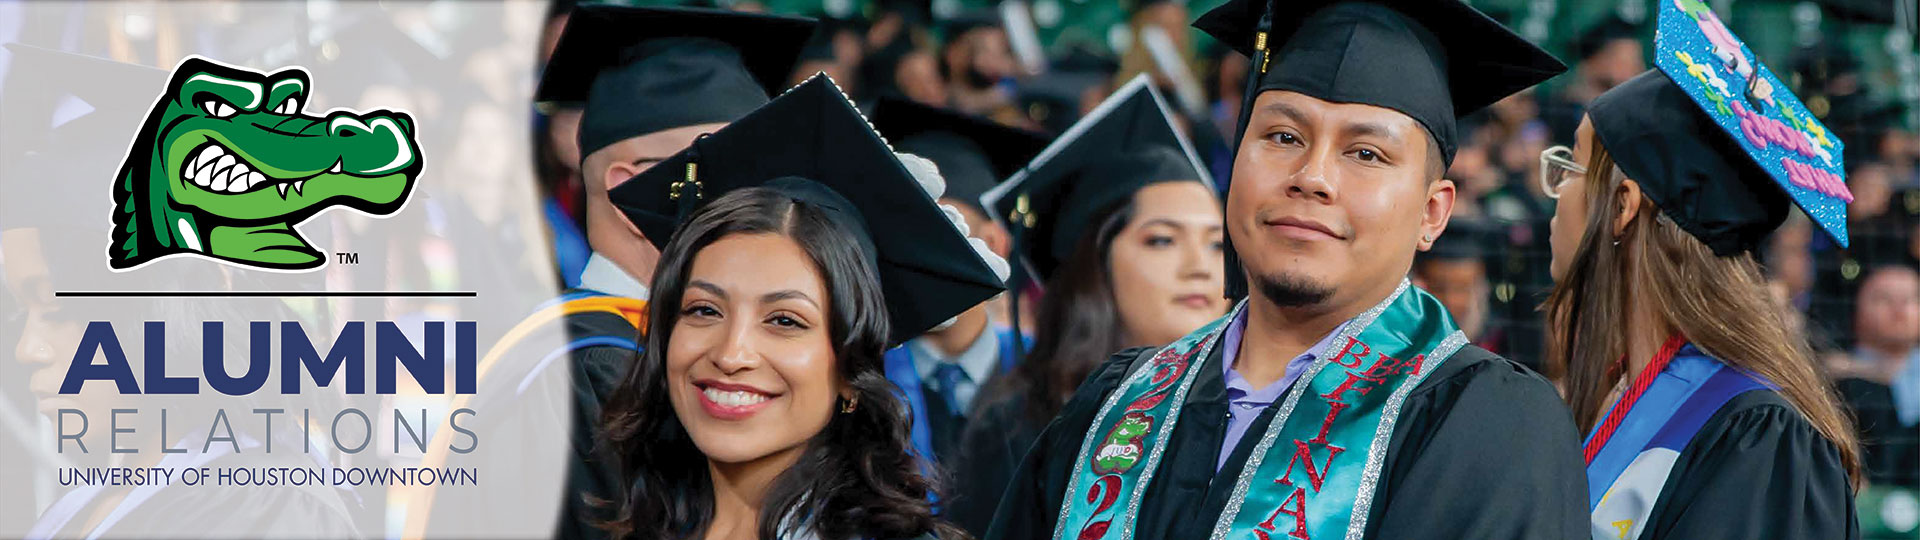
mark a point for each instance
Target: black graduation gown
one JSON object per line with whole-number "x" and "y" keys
{"x": 1484, "y": 449}
{"x": 574, "y": 393}
{"x": 1892, "y": 450}
{"x": 592, "y": 472}
{"x": 998, "y": 434}
{"x": 1756, "y": 470}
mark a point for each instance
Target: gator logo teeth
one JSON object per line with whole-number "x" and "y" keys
{"x": 229, "y": 161}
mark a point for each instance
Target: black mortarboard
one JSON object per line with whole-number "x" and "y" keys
{"x": 642, "y": 70}
{"x": 1127, "y": 143}
{"x": 1717, "y": 141}
{"x": 973, "y": 153}
{"x": 814, "y": 145}
{"x": 1053, "y": 99}
{"x": 69, "y": 117}
{"x": 1433, "y": 60}
{"x": 58, "y": 105}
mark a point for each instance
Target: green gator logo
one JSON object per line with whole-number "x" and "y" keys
{"x": 228, "y": 162}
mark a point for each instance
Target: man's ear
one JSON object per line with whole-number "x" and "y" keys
{"x": 1629, "y": 193}
{"x": 997, "y": 239}
{"x": 617, "y": 173}
{"x": 1437, "y": 211}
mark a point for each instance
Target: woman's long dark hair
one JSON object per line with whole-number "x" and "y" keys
{"x": 1079, "y": 324}
{"x": 855, "y": 478}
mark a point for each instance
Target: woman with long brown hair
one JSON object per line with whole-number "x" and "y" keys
{"x": 1125, "y": 241}
{"x": 1704, "y": 413}
{"x": 759, "y": 408}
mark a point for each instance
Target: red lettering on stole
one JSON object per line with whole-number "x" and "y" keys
{"x": 1349, "y": 384}
{"x": 1299, "y": 512}
{"x": 1303, "y": 452}
{"x": 1333, "y": 410}
{"x": 1387, "y": 366}
{"x": 1347, "y": 351}
{"x": 1296, "y": 504}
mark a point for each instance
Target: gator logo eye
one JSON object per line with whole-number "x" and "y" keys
{"x": 228, "y": 164}
{"x": 217, "y": 109}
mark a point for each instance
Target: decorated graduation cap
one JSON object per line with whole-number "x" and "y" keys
{"x": 642, "y": 70}
{"x": 1127, "y": 143}
{"x": 1717, "y": 141}
{"x": 812, "y": 144}
{"x": 1432, "y": 60}
{"x": 973, "y": 153}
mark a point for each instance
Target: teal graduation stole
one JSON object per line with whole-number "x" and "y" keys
{"x": 1333, "y": 428}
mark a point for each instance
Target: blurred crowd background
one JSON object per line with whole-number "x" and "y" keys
{"x": 1041, "y": 64}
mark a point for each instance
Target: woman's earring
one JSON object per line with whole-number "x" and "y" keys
{"x": 847, "y": 405}
{"x": 1428, "y": 238}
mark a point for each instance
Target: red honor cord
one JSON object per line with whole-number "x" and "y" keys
{"x": 1640, "y": 383}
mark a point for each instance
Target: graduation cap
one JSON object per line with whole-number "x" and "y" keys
{"x": 1717, "y": 141}
{"x": 1053, "y": 99}
{"x": 69, "y": 120}
{"x": 973, "y": 153}
{"x": 1127, "y": 143}
{"x": 66, "y": 112}
{"x": 642, "y": 70}
{"x": 812, "y": 144}
{"x": 1432, "y": 60}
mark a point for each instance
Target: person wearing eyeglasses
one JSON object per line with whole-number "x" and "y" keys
{"x": 1703, "y": 412}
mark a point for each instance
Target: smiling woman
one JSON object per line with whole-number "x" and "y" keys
{"x": 769, "y": 385}
{"x": 760, "y": 408}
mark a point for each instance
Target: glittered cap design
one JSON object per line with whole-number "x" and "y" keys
{"x": 1724, "y": 78}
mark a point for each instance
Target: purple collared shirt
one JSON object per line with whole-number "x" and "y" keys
{"x": 1244, "y": 402}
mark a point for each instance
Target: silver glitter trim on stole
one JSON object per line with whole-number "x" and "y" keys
{"x": 1320, "y": 361}
{"x": 1377, "y": 453}
{"x": 1153, "y": 457}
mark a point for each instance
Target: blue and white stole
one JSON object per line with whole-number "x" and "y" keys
{"x": 1625, "y": 477}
